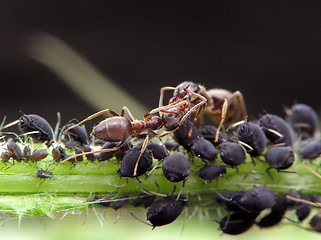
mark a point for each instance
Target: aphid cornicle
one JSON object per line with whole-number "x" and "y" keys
{"x": 33, "y": 122}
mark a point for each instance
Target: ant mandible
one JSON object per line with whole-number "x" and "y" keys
{"x": 188, "y": 97}
{"x": 119, "y": 129}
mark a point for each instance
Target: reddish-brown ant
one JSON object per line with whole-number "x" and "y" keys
{"x": 119, "y": 129}
{"x": 188, "y": 97}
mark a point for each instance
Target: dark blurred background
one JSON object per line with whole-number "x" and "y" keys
{"x": 269, "y": 50}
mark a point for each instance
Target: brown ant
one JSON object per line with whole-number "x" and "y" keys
{"x": 188, "y": 97}
{"x": 119, "y": 129}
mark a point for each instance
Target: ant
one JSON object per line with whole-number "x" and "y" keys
{"x": 188, "y": 97}
{"x": 119, "y": 129}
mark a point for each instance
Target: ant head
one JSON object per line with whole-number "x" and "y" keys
{"x": 184, "y": 88}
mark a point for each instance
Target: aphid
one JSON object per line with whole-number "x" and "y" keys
{"x": 237, "y": 223}
{"x": 302, "y": 211}
{"x": 176, "y": 167}
{"x": 78, "y": 134}
{"x": 281, "y": 157}
{"x": 26, "y": 152}
{"x": 33, "y": 122}
{"x": 303, "y": 119}
{"x": 144, "y": 199}
{"x": 128, "y": 163}
{"x": 165, "y": 211}
{"x": 232, "y": 154}
{"x": 103, "y": 156}
{"x": 38, "y": 155}
{"x": 182, "y": 136}
{"x": 56, "y": 155}
{"x": 209, "y": 132}
{"x": 315, "y": 222}
{"x": 170, "y": 146}
{"x": 120, "y": 203}
{"x": 203, "y": 149}
{"x": 15, "y": 151}
{"x": 276, "y": 214}
{"x": 43, "y": 174}
{"x": 158, "y": 151}
{"x": 257, "y": 199}
{"x": 77, "y": 152}
{"x": 90, "y": 157}
{"x": 231, "y": 200}
{"x": 5, "y": 157}
{"x": 253, "y": 137}
{"x": 276, "y": 129}
{"x": 311, "y": 150}
{"x": 210, "y": 172}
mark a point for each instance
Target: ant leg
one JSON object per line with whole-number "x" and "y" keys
{"x": 241, "y": 101}
{"x": 142, "y": 150}
{"x": 130, "y": 115}
{"x": 164, "y": 109}
{"x": 93, "y": 152}
{"x": 223, "y": 116}
{"x": 92, "y": 117}
{"x": 161, "y": 97}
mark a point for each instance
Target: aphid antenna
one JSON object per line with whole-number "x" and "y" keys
{"x": 152, "y": 193}
{"x": 93, "y": 152}
{"x": 16, "y": 135}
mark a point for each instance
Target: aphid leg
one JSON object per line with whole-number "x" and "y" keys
{"x": 142, "y": 150}
{"x": 92, "y": 117}
{"x": 223, "y": 116}
{"x": 239, "y": 96}
{"x": 148, "y": 224}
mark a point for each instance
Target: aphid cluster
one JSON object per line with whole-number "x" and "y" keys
{"x": 173, "y": 138}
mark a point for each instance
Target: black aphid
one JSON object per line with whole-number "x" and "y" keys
{"x": 315, "y": 222}
{"x": 5, "y": 156}
{"x": 176, "y": 167}
{"x": 15, "y": 151}
{"x": 90, "y": 157}
{"x": 237, "y": 223}
{"x": 231, "y": 200}
{"x": 144, "y": 199}
{"x": 39, "y": 155}
{"x": 210, "y": 172}
{"x": 181, "y": 135}
{"x": 43, "y": 174}
{"x": 78, "y": 151}
{"x": 165, "y": 211}
{"x": 270, "y": 123}
{"x": 208, "y": 132}
{"x": 252, "y": 135}
{"x": 232, "y": 154}
{"x": 120, "y": 203}
{"x": 281, "y": 157}
{"x": 158, "y": 151}
{"x": 26, "y": 152}
{"x": 257, "y": 199}
{"x": 78, "y": 134}
{"x": 203, "y": 149}
{"x": 276, "y": 214}
{"x": 107, "y": 155}
{"x": 128, "y": 163}
{"x": 33, "y": 122}
{"x": 311, "y": 150}
{"x": 304, "y": 120}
